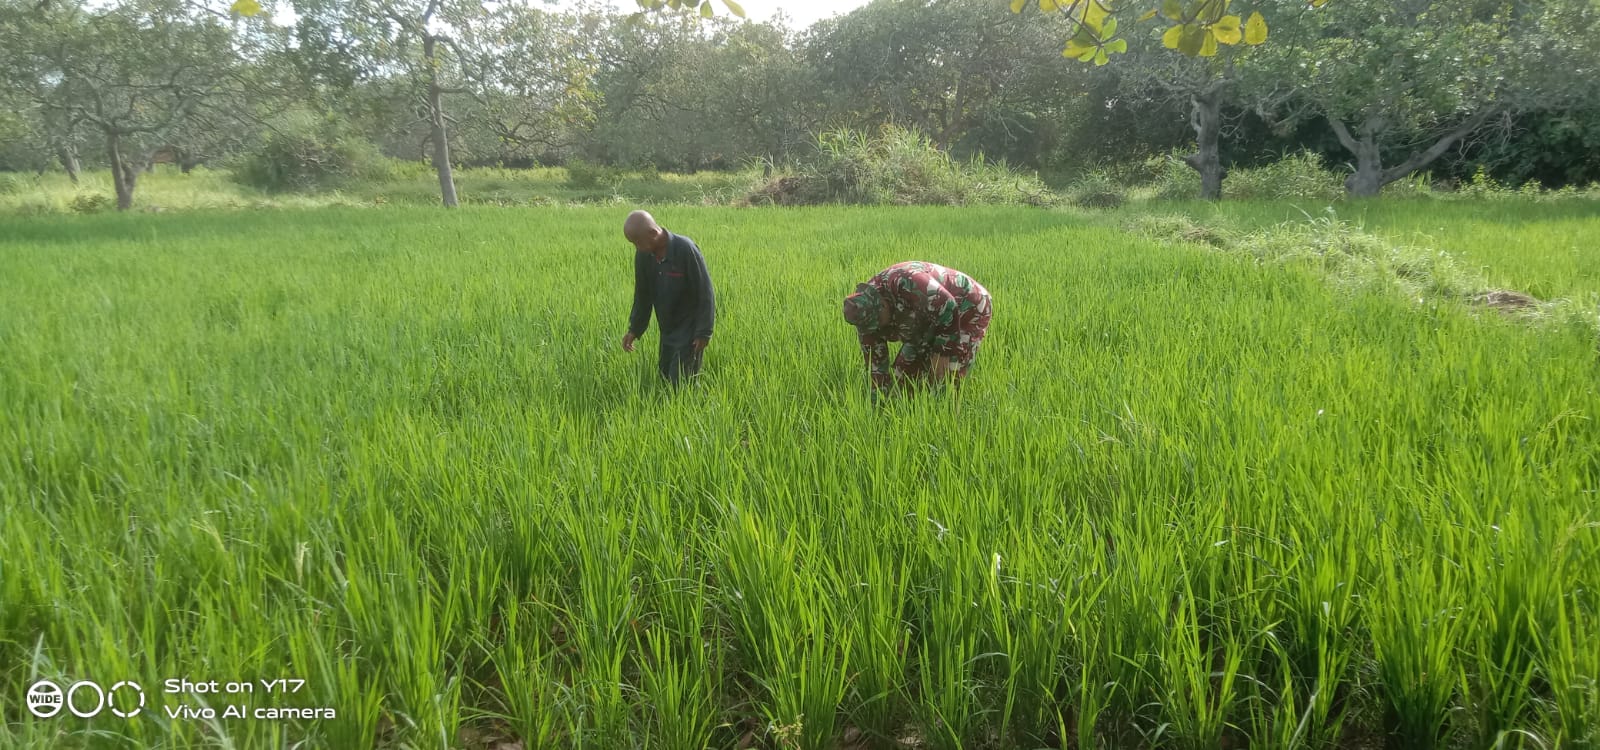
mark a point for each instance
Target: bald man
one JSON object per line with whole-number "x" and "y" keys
{"x": 669, "y": 277}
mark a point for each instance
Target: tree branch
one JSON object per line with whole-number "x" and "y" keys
{"x": 1424, "y": 158}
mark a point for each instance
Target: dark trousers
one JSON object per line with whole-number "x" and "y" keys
{"x": 678, "y": 362}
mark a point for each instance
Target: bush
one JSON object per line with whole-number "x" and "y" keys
{"x": 895, "y": 167}
{"x": 306, "y": 155}
{"x": 1300, "y": 176}
{"x": 1174, "y": 179}
{"x": 1097, "y": 189}
{"x": 91, "y": 203}
{"x": 1414, "y": 186}
{"x": 585, "y": 175}
{"x": 13, "y": 184}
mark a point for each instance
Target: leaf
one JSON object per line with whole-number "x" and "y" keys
{"x": 734, "y": 8}
{"x": 1147, "y": 16}
{"x": 1227, "y": 30}
{"x": 245, "y": 7}
{"x": 1109, "y": 28}
{"x": 705, "y": 9}
{"x": 1094, "y": 14}
{"x": 1172, "y": 9}
{"x": 1048, "y": 6}
{"x": 1193, "y": 39}
{"x": 1116, "y": 45}
{"x": 1017, "y": 5}
{"x": 1208, "y": 44}
{"x": 1255, "y": 29}
{"x": 1077, "y": 47}
{"x": 1100, "y": 58}
{"x": 1172, "y": 38}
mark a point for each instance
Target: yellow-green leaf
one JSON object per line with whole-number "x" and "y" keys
{"x": 705, "y": 9}
{"x": 1255, "y": 29}
{"x": 1108, "y": 28}
{"x": 1076, "y": 46}
{"x": 1149, "y": 15}
{"x": 1094, "y": 14}
{"x": 1227, "y": 30}
{"x": 1194, "y": 39}
{"x": 1318, "y": 3}
{"x": 1101, "y": 58}
{"x": 1172, "y": 38}
{"x": 1172, "y": 9}
{"x": 245, "y": 7}
{"x": 734, "y": 8}
{"x": 1017, "y": 5}
{"x": 1116, "y": 45}
{"x": 1208, "y": 47}
{"x": 1048, "y": 6}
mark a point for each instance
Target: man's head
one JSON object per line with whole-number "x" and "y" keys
{"x": 863, "y": 307}
{"x": 642, "y": 230}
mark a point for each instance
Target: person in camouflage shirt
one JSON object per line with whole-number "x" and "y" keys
{"x": 938, "y": 314}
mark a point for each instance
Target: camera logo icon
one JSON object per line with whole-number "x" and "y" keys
{"x": 46, "y": 699}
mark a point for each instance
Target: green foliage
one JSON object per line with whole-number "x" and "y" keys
{"x": 306, "y": 154}
{"x": 1296, "y": 176}
{"x": 896, "y": 166}
{"x": 1173, "y": 180}
{"x": 1197, "y": 28}
{"x": 588, "y": 175}
{"x": 14, "y": 184}
{"x": 91, "y": 203}
{"x": 1097, "y": 189}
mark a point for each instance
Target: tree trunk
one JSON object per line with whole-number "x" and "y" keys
{"x": 436, "y": 122}
{"x": 1367, "y": 180}
{"x": 1370, "y": 176}
{"x": 123, "y": 175}
{"x": 69, "y": 162}
{"x": 1205, "y": 115}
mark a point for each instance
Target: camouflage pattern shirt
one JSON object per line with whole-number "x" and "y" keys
{"x": 932, "y": 309}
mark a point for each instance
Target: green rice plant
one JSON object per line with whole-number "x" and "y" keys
{"x": 1415, "y": 625}
{"x": 1194, "y": 492}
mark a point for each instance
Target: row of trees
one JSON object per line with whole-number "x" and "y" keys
{"x": 1387, "y": 86}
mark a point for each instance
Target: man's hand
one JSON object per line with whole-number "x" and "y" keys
{"x": 627, "y": 341}
{"x": 700, "y": 345}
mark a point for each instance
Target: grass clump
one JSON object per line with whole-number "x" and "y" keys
{"x": 1097, "y": 189}
{"x": 13, "y": 184}
{"x": 895, "y": 166}
{"x": 1299, "y": 176}
{"x": 586, "y": 175}
{"x": 91, "y": 203}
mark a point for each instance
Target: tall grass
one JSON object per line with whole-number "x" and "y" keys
{"x": 1187, "y": 499}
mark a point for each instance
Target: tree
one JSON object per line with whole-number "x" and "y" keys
{"x": 1401, "y": 82}
{"x": 136, "y": 73}
{"x": 423, "y": 40}
{"x": 1213, "y": 38}
{"x": 936, "y": 65}
{"x": 1196, "y": 28}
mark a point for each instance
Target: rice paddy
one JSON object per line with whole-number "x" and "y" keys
{"x": 397, "y": 456}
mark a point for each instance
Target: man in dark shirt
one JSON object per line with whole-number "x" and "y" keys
{"x": 669, "y": 277}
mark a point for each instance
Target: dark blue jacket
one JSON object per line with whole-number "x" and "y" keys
{"x": 678, "y": 288}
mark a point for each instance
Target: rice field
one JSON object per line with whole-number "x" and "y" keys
{"x": 396, "y": 460}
